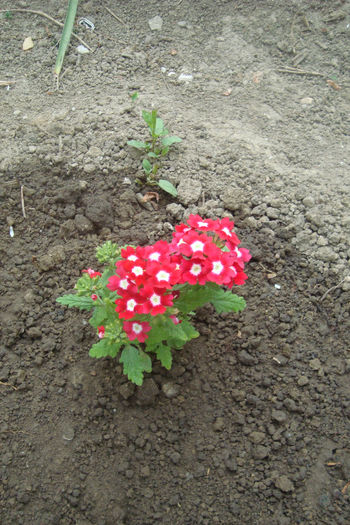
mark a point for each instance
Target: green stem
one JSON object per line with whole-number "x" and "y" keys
{"x": 66, "y": 35}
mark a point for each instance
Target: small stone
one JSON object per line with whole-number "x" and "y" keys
{"x": 99, "y": 211}
{"x": 246, "y": 359}
{"x": 284, "y": 484}
{"x": 145, "y": 471}
{"x": 52, "y": 259}
{"x": 185, "y": 77}
{"x": 83, "y": 224}
{"x": 315, "y": 364}
{"x": 127, "y": 390}
{"x": 257, "y": 437}
{"x": 69, "y": 211}
{"x": 147, "y": 393}
{"x": 303, "y": 380}
{"x": 155, "y": 23}
{"x": 68, "y": 432}
{"x": 279, "y": 416}
{"x": 219, "y": 424}
{"x": 170, "y": 390}
{"x": 34, "y": 332}
{"x": 231, "y": 464}
{"x": 261, "y": 452}
{"x": 308, "y": 202}
{"x": 175, "y": 457}
{"x": 307, "y": 100}
{"x": 189, "y": 191}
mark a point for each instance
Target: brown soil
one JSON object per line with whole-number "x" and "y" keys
{"x": 257, "y": 431}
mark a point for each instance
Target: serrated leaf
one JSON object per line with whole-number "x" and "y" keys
{"x": 165, "y": 185}
{"x": 193, "y": 297}
{"x": 147, "y": 166}
{"x": 168, "y": 141}
{"x": 71, "y": 300}
{"x": 163, "y": 353}
{"x": 100, "y": 314}
{"x": 138, "y": 144}
{"x": 135, "y": 362}
{"x": 228, "y": 302}
{"x": 104, "y": 348}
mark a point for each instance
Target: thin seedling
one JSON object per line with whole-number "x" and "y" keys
{"x": 155, "y": 148}
{"x": 66, "y": 36}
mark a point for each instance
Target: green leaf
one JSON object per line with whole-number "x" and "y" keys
{"x": 159, "y": 127}
{"x": 138, "y": 144}
{"x": 66, "y": 35}
{"x": 193, "y": 297}
{"x": 226, "y": 301}
{"x": 152, "y": 155}
{"x": 108, "y": 252}
{"x": 147, "y": 117}
{"x": 104, "y": 348}
{"x": 134, "y": 96}
{"x": 135, "y": 362}
{"x": 168, "y": 141}
{"x": 164, "y": 355}
{"x": 71, "y": 300}
{"x": 147, "y": 166}
{"x": 168, "y": 187}
{"x": 100, "y": 314}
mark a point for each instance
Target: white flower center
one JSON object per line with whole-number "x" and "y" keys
{"x": 227, "y": 231}
{"x": 203, "y": 224}
{"x": 137, "y": 328}
{"x": 132, "y": 258}
{"x": 234, "y": 270}
{"x": 137, "y": 270}
{"x": 197, "y": 246}
{"x": 217, "y": 267}
{"x": 124, "y": 284}
{"x": 238, "y": 252}
{"x": 155, "y": 299}
{"x": 154, "y": 256}
{"x": 195, "y": 269}
{"x": 130, "y": 305}
{"x": 162, "y": 275}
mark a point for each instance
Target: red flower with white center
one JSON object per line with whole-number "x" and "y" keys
{"x": 132, "y": 254}
{"x": 242, "y": 255}
{"x": 162, "y": 275}
{"x": 201, "y": 224}
{"x": 91, "y": 273}
{"x": 193, "y": 244}
{"x": 101, "y": 332}
{"x": 137, "y": 330}
{"x": 156, "y": 300}
{"x": 157, "y": 252}
{"x": 182, "y": 228}
{"x": 136, "y": 271}
{"x": 120, "y": 284}
{"x": 195, "y": 271}
{"x": 220, "y": 271}
{"x": 225, "y": 231}
{"x": 129, "y": 306}
{"x": 94, "y": 297}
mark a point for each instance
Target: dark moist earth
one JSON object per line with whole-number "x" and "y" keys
{"x": 251, "y": 426}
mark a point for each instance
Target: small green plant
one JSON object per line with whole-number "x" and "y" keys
{"x": 156, "y": 147}
{"x": 8, "y": 15}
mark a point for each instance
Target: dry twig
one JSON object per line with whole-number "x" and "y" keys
{"x": 7, "y": 82}
{"x": 8, "y": 384}
{"x": 333, "y": 288}
{"x": 41, "y": 13}
{"x": 115, "y": 16}
{"x": 22, "y": 202}
{"x": 297, "y": 71}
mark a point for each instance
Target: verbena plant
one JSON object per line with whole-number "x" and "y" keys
{"x": 143, "y": 301}
{"x": 156, "y": 147}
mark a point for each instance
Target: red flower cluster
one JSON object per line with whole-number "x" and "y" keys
{"x": 203, "y": 250}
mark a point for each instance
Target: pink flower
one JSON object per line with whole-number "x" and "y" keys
{"x": 101, "y": 331}
{"x": 91, "y": 273}
{"x": 129, "y": 306}
{"x": 137, "y": 330}
{"x": 157, "y": 252}
{"x": 94, "y": 297}
{"x": 175, "y": 319}
{"x": 162, "y": 275}
{"x": 194, "y": 271}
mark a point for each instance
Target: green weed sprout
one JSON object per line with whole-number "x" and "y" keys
{"x": 66, "y": 35}
{"x": 156, "y": 147}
